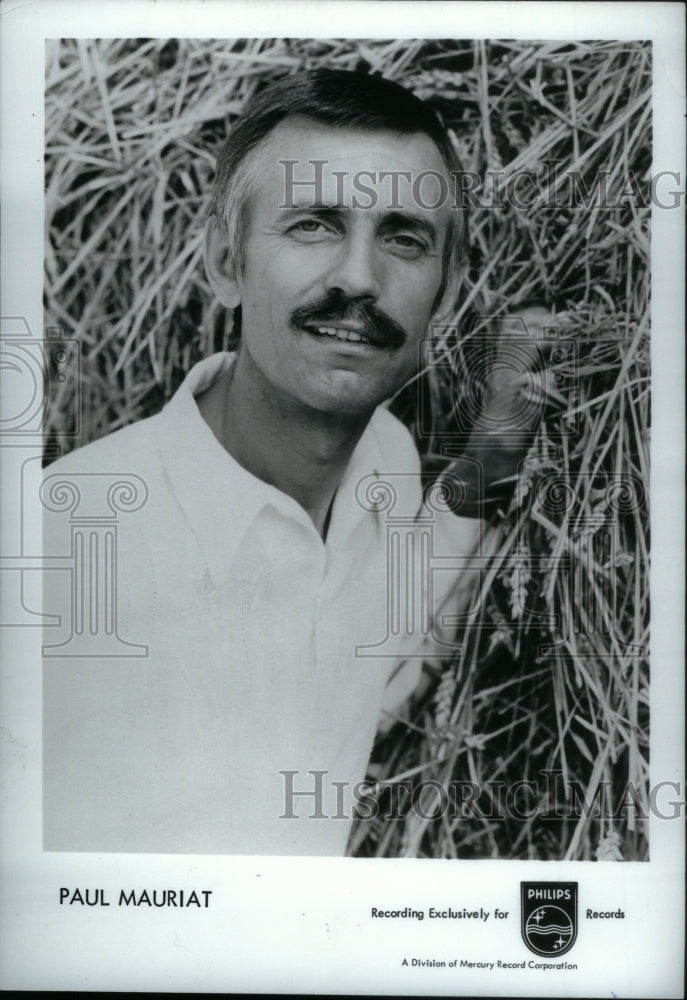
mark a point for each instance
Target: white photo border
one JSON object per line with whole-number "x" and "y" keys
{"x": 304, "y": 925}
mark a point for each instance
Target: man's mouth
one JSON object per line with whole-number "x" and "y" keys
{"x": 339, "y": 333}
{"x": 338, "y": 319}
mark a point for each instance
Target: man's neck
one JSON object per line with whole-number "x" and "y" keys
{"x": 301, "y": 451}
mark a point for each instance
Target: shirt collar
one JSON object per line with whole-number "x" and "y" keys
{"x": 220, "y": 499}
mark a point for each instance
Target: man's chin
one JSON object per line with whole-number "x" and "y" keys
{"x": 345, "y": 393}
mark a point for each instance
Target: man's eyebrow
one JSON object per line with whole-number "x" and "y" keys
{"x": 316, "y": 207}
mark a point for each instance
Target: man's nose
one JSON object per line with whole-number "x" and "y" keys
{"x": 356, "y": 269}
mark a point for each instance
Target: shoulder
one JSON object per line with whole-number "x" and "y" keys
{"x": 120, "y": 473}
{"x": 117, "y": 479}
{"x": 131, "y": 449}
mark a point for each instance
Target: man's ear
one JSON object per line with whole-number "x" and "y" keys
{"x": 220, "y": 267}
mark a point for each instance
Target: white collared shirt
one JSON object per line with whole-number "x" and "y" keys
{"x": 260, "y": 646}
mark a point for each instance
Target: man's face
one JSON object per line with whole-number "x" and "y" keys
{"x": 337, "y": 293}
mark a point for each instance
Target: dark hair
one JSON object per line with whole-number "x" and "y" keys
{"x": 334, "y": 97}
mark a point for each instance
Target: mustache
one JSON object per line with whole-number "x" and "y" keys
{"x": 376, "y": 325}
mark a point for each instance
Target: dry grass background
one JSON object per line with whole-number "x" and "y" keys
{"x": 132, "y": 131}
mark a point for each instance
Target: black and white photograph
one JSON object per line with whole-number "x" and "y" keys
{"x": 496, "y": 356}
{"x": 342, "y": 476}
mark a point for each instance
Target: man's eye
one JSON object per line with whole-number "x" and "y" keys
{"x": 308, "y": 227}
{"x": 407, "y": 243}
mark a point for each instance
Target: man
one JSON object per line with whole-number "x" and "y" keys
{"x": 254, "y": 574}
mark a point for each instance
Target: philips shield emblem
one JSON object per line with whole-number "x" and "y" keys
{"x": 549, "y": 917}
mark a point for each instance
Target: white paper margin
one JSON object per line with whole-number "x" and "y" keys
{"x": 303, "y": 925}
